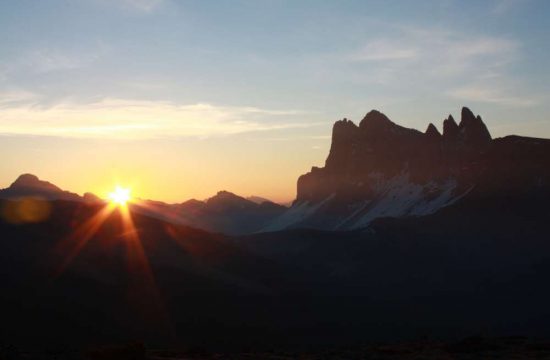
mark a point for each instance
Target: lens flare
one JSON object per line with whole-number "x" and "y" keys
{"x": 120, "y": 196}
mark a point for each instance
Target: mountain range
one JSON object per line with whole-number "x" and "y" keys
{"x": 380, "y": 169}
{"x": 401, "y": 234}
{"x": 374, "y": 170}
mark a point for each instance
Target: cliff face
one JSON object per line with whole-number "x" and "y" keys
{"x": 380, "y": 169}
{"x": 382, "y": 148}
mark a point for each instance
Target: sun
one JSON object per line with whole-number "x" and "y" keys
{"x": 120, "y": 196}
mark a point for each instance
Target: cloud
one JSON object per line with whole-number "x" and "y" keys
{"x": 145, "y": 6}
{"x": 435, "y": 52}
{"x": 384, "y": 49}
{"x": 485, "y": 94}
{"x": 132, "y": 119}
{"x": 439, "y": 63}
{"x": 41, "y": 60}
{"x": 8, "y": 98}
{"x": 44, "y": 60}
{"x": 502, "y": 7}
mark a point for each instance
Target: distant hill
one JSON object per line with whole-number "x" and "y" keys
{"x": 258, "y": 199}
{"x": 225, "y": 213}
{"x": 29, "y": 185}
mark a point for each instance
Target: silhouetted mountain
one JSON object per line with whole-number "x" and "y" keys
{"x": 91, "y": 198}
{"x": 258, "y": 199}
{"x": 380, "y": 169}
{"x": 28, "y": 185}
{"x": 225, "y": 213}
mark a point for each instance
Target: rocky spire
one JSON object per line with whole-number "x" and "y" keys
{"x": 472, "y": 130}
{"x": 344, "y": 136}
{"x": 432, "y": 133}
{"x": 450, "y": 129}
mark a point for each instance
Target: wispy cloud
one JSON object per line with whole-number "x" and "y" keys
{"x": 435, "y": 52}
{"x": 384, "y": 49}
{"x": 45, "y": 60}
{"x": 505, "y": 6}
{"x": 455, "y": 62}
{"x": 13, "y": 97}
{"x": 145, "y": 6}
{"x": 485, "y": 94}
{"x": 130, "y": 119}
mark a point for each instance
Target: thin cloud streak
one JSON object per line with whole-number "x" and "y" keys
{"x": 384, "y": 49}
{"x": 142, "y": 6}
{"x": 134, "y": 119}
{"x": 505, "y": 6}
{"x": 8, "y": 98}
{"x": 490, "y": 95}
{"x": 436, "y": 52}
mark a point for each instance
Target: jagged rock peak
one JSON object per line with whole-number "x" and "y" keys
{"x": 344, "y": 124}
{"x": 467, "y": 117}
{"x": 432, "y": 131}
{"x": 472, "y": 129}
{"x": 375, "y": 118}
{"x": 343, "y": 131}
{"x": 450, "y": 128}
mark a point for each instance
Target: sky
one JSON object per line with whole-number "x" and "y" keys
{"x": 181, "y": 99}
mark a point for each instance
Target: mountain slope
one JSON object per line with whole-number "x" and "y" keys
{"x": 479, "y": 264}
{"x": 73, "y": 279}
{"x": 380, "y": 169}
{"x": 225, "y": 213}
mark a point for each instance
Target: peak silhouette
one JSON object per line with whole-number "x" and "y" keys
{"x": 382, "y": 169}
{"x": 29, "y": 185}
{"x": 375, "y": 118}
{"x": 432, "y": 132}
{"x": 32, "y": 181}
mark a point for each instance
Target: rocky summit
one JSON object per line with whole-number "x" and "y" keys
{"x": 381, "y": 169}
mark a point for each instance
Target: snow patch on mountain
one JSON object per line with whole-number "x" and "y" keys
{"x": 398, "y": 197}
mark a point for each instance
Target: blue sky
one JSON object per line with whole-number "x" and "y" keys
{"x": 210, "y": 78}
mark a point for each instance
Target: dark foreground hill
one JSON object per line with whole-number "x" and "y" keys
{"x": 446, "y": 275}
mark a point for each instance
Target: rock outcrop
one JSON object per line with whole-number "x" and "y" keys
{"x": 380, "y": 169}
